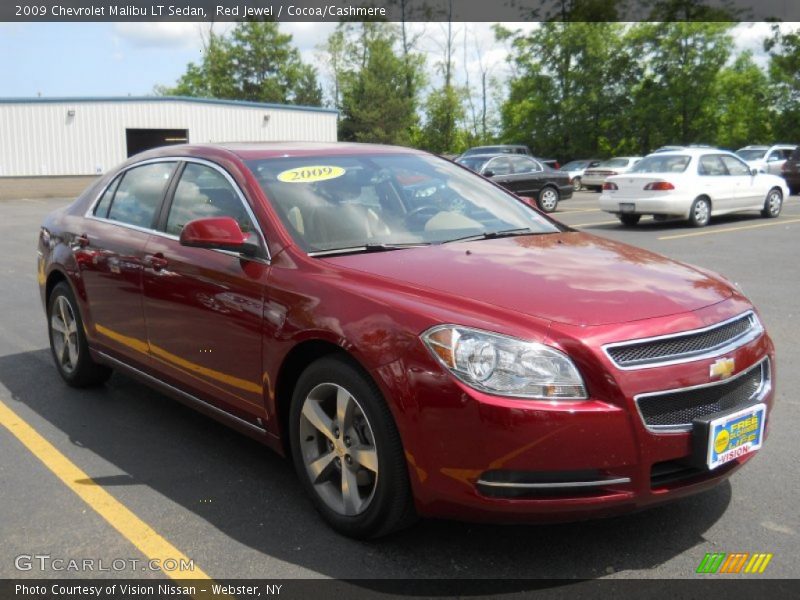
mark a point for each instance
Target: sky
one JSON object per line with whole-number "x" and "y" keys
{"x": 121, "y": 59}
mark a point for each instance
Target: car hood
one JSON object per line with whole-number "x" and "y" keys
{"x": 571, "y": 277}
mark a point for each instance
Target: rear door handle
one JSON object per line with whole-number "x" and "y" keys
{"x": 156, "y": 261}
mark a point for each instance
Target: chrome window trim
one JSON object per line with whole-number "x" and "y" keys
{"x": 89, "y": 214}
{"x": 766, "y": 386}
{"x": 733, "y": 344}
{"x": 554, "y": 485}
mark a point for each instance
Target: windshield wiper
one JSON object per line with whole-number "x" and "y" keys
{"x": 370, "y": 247}
{"x": 493, "y": 235}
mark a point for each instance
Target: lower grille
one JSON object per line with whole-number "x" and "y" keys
{"x": 676, "y": 409}
{"x": 675, "y": 472}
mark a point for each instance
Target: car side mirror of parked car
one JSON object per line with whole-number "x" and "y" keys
{"x": 219, "y": 233}
{"x": 488, "y": 173}
{"x": 756, "y": 171}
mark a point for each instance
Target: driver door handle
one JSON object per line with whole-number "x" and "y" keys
{"x": 155, "y": 261}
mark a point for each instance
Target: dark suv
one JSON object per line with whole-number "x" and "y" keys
{"x": 791, "y": 171}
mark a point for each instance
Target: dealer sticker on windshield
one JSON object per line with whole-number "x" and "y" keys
{"x": 734, "y": 435}
{"x": 310, "y": 174}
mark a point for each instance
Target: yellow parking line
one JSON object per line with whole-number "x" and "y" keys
{"x": 579, "y": 210}
{"x": 139, "y": 533}
{"x": 728, "y": 229}
{"x": 600, "y": 223}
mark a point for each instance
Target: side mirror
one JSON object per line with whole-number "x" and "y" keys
{"x": 488, "y": 173}
{"x": 219, "y": 233}
{"x": 756, "y": 171}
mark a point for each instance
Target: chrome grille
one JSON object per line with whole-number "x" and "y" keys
{"x": 676, "y": 409}
{"x": 685, "y": 346}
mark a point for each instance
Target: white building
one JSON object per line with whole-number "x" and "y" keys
{"x": 81, "y": 138}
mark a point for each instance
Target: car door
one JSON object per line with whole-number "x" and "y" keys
{"x": 715, "y": 181}
{"x": 748, "y": 187}
{"x": 203, "y": 308}
{"x": 527, "y": 175}
{"x": 499, "y": 170}
{"x": 111, "y": 258}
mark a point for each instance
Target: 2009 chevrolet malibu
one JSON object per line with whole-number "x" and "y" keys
{"x": 418, "y": 340}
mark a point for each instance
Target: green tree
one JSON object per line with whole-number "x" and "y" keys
{"x": 677, "y": 79}
{"x": 784, "y": 76}
{"x": 569, "y": 89}
{"x": 740, "y": 109}
{"x": 254, "y": 62}
{"x": 377, "y": 103}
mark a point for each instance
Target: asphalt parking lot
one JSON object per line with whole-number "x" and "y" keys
{"x": 237, "y": 511}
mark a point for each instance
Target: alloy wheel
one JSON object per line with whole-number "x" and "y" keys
{"x": 64, "y": 329}
{"x": 548, "y": 200}
{"x": 338, "y": 449}
{"x": 774, "y": 201}
{"x": 700, "y": 212}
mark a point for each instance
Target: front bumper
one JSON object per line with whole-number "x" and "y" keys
{"x": 673, "y": 205}
{"x": 467, "y": 450}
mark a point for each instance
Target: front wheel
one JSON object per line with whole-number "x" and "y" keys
{"x": 68, "y": 341}
{"x": 700, "y": 213}
{"x": 772, "y": 204}
{"x": 347, "y": 451}
{"x": 548, "y": 199}
{"x": 629, "y": 220}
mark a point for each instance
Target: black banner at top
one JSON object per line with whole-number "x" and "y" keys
{"x": 398, "y": 10}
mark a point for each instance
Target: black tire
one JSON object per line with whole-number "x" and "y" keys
{"x": 389, "y": 506}
{"x": 576, "y": 184}
{"x": 698, "y": 215}
{"x": 547, "y": 199}
{"x": 629, "y": 220}
{"x": 773, "y": 204}
{"x": 794, "y": 191}
{"x": 69, "y": 348}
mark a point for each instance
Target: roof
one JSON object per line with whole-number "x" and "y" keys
{"x": 260, "y": 150}
{"x": 114, "y": 99}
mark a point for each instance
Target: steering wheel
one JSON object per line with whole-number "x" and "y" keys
{"x": 415, "y": 220}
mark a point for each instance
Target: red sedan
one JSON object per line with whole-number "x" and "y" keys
{"x": 418, "y": 340}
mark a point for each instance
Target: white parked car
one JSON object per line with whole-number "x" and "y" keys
{"x": 692, "y": 184}
{"x": 594, "y": 178}
{"x": 767, "y": 159}
{"x": 576, "y": 168}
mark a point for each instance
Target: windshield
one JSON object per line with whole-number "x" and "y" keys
{"x": 473, "y": 163}
{"x": 662, "y": 164}
{"x": 751, "y": 154}
{"x": 575, "y": 165}
{"x": 337, "y": 202}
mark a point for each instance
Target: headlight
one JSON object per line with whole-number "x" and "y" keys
{"x": 503, "y": 365}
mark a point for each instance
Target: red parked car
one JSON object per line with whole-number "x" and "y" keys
{"x": 418, "y": 340}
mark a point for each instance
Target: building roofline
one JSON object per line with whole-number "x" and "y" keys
{"x": 240, "y": 103}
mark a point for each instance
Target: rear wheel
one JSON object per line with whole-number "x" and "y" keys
{"x": 772, "y": 204}
{"x": 576, "y": 184}
{"x": 548, "y": 199}
{"x": 68, "y": 341}
{"x": 347, "y": 451}
{"x": 700, "y": 214}
{"x": 629, "y": 220}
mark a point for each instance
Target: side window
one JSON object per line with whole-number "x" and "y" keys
{"x": 499, "y": 166}
{"x": 101, "y": 209}
{"x": 710, "y": 164}
{"x": 734, "y": 166}
{"x": 204, "y": 192}
{"x": 138, "y": 196}
{"x": 524, "y": 165}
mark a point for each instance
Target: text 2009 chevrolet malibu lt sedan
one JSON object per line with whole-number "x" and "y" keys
{"x": 417, "y": 339}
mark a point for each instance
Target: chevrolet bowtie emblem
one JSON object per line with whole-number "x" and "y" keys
{"x": 722, "y": 368}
